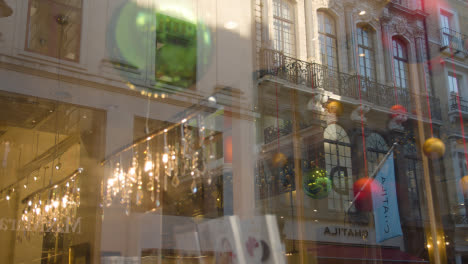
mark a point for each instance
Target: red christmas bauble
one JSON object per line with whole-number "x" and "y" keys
{"x": 363, "y": 190}
{"x": 228, "y": 149}
{"x": 398, "y": 110}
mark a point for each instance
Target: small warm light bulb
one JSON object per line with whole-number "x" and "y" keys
{"x": 148, "y": 165}
{"x": 55, "y": 204}
{"x": 25, "y": 186}
{"x": 362, "y": 13}
{"x": 165, "y": 158}
{"x": 47, "y": 208}
{"x": 35, "y": 178}
{"x": 7, "y": 197}
{"x": 30, "y": 203}
{"x": 58, "y": 166}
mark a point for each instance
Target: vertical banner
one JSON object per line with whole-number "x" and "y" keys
{"x": 385, "y": 204}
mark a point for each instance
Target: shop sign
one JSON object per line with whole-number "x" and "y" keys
{"x": 70, "y": 226}
{"x": 345, "y": 232}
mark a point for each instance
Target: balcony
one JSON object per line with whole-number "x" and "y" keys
{"x": 460, "y": 220}
{"x": 312, "y": 76}
{"x": 454, "y": 104}
{"x": 453, "y": 42}
{"x": 403, "y": 3}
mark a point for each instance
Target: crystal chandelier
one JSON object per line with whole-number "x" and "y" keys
{"x": 52, "y": 208}
{"x": 157, "y": 161}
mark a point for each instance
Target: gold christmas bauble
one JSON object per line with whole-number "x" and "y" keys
{"x": 464, "y": 184}
{"x": 335, "y": 107}
{"x": 434, "y": 147}
{"x": 279, "y": 160}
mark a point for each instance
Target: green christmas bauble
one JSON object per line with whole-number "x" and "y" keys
{"x": 317, "y": 185}
{"x": 169, "y": 42}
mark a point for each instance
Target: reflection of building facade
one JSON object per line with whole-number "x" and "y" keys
{"x": 446, "y": 28}
{"x": 368, "y": 56}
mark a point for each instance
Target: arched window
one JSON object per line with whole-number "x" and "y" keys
{"x": 327, "y": 40}
{"x": 376, "y": 150}
{"x": 365, "y": 36}
{"x": 338, "y": 165}
{"x": 283, "y": 24}
{"x": 400, "y": 63}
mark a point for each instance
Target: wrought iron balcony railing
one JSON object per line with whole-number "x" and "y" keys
{"x": 454, "y": 103}
{"x": 313, "y": 75}
{"x": 404, "y": 3}
{"x": 453, "y": 40}
{"x": 460, "y": 219}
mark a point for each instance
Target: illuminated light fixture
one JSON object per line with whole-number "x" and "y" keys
{"x": 362, "y": 55}
{"x": 7, "y": 197}
{"x": 362, "y": 13}
{"x": 212, "y": 99}
{"x": 5, "y": 10}
{"x": 58, "y": 166}
{"x": 447, "y": 243}
{"x": 230, "y": 25}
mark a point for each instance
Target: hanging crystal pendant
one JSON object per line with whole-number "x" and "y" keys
{"x": 193, "y": 187}
{"x": 175, "y": 181}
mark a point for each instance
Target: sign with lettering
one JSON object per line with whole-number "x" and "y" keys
{"x": 336, "y": 233}
{"x": 386, "y": 215}
{"x": 70, "y": 226}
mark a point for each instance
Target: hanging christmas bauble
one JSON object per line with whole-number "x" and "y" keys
{"x": 398, "y": 110}
{"x": 363, "y": 190}
{"x": 335, "y": 107}
{"x": 180, "y": 44}
{"x": 464, "y": 185}
{"x": 279, "y": 160}
{"x": 434, "y": 147}
{"x": 228, "y": 149}
{"x": 316, "y": 183}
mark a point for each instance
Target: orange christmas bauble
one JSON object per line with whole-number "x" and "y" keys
{"x": 279, "y": 160}
{"x": 398, "y": 110}
{"x": 363, "y": 190}
{"x": 335, "y": 107}
{"x": 434, "y": 147}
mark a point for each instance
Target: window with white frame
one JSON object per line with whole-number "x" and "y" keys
{"x": 338, "y": 165}
{"x": 446, "y": 24}
{"x": 283, "y": 25}
{"x": 54, "y": 28}
{"x": 327, "y": 40}
{"x": 454, "y": 83}
{"x": 366, "y": 52}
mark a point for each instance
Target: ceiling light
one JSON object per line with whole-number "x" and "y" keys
{"x": 230, "y": 25}
{"x": 362, "y": 13}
